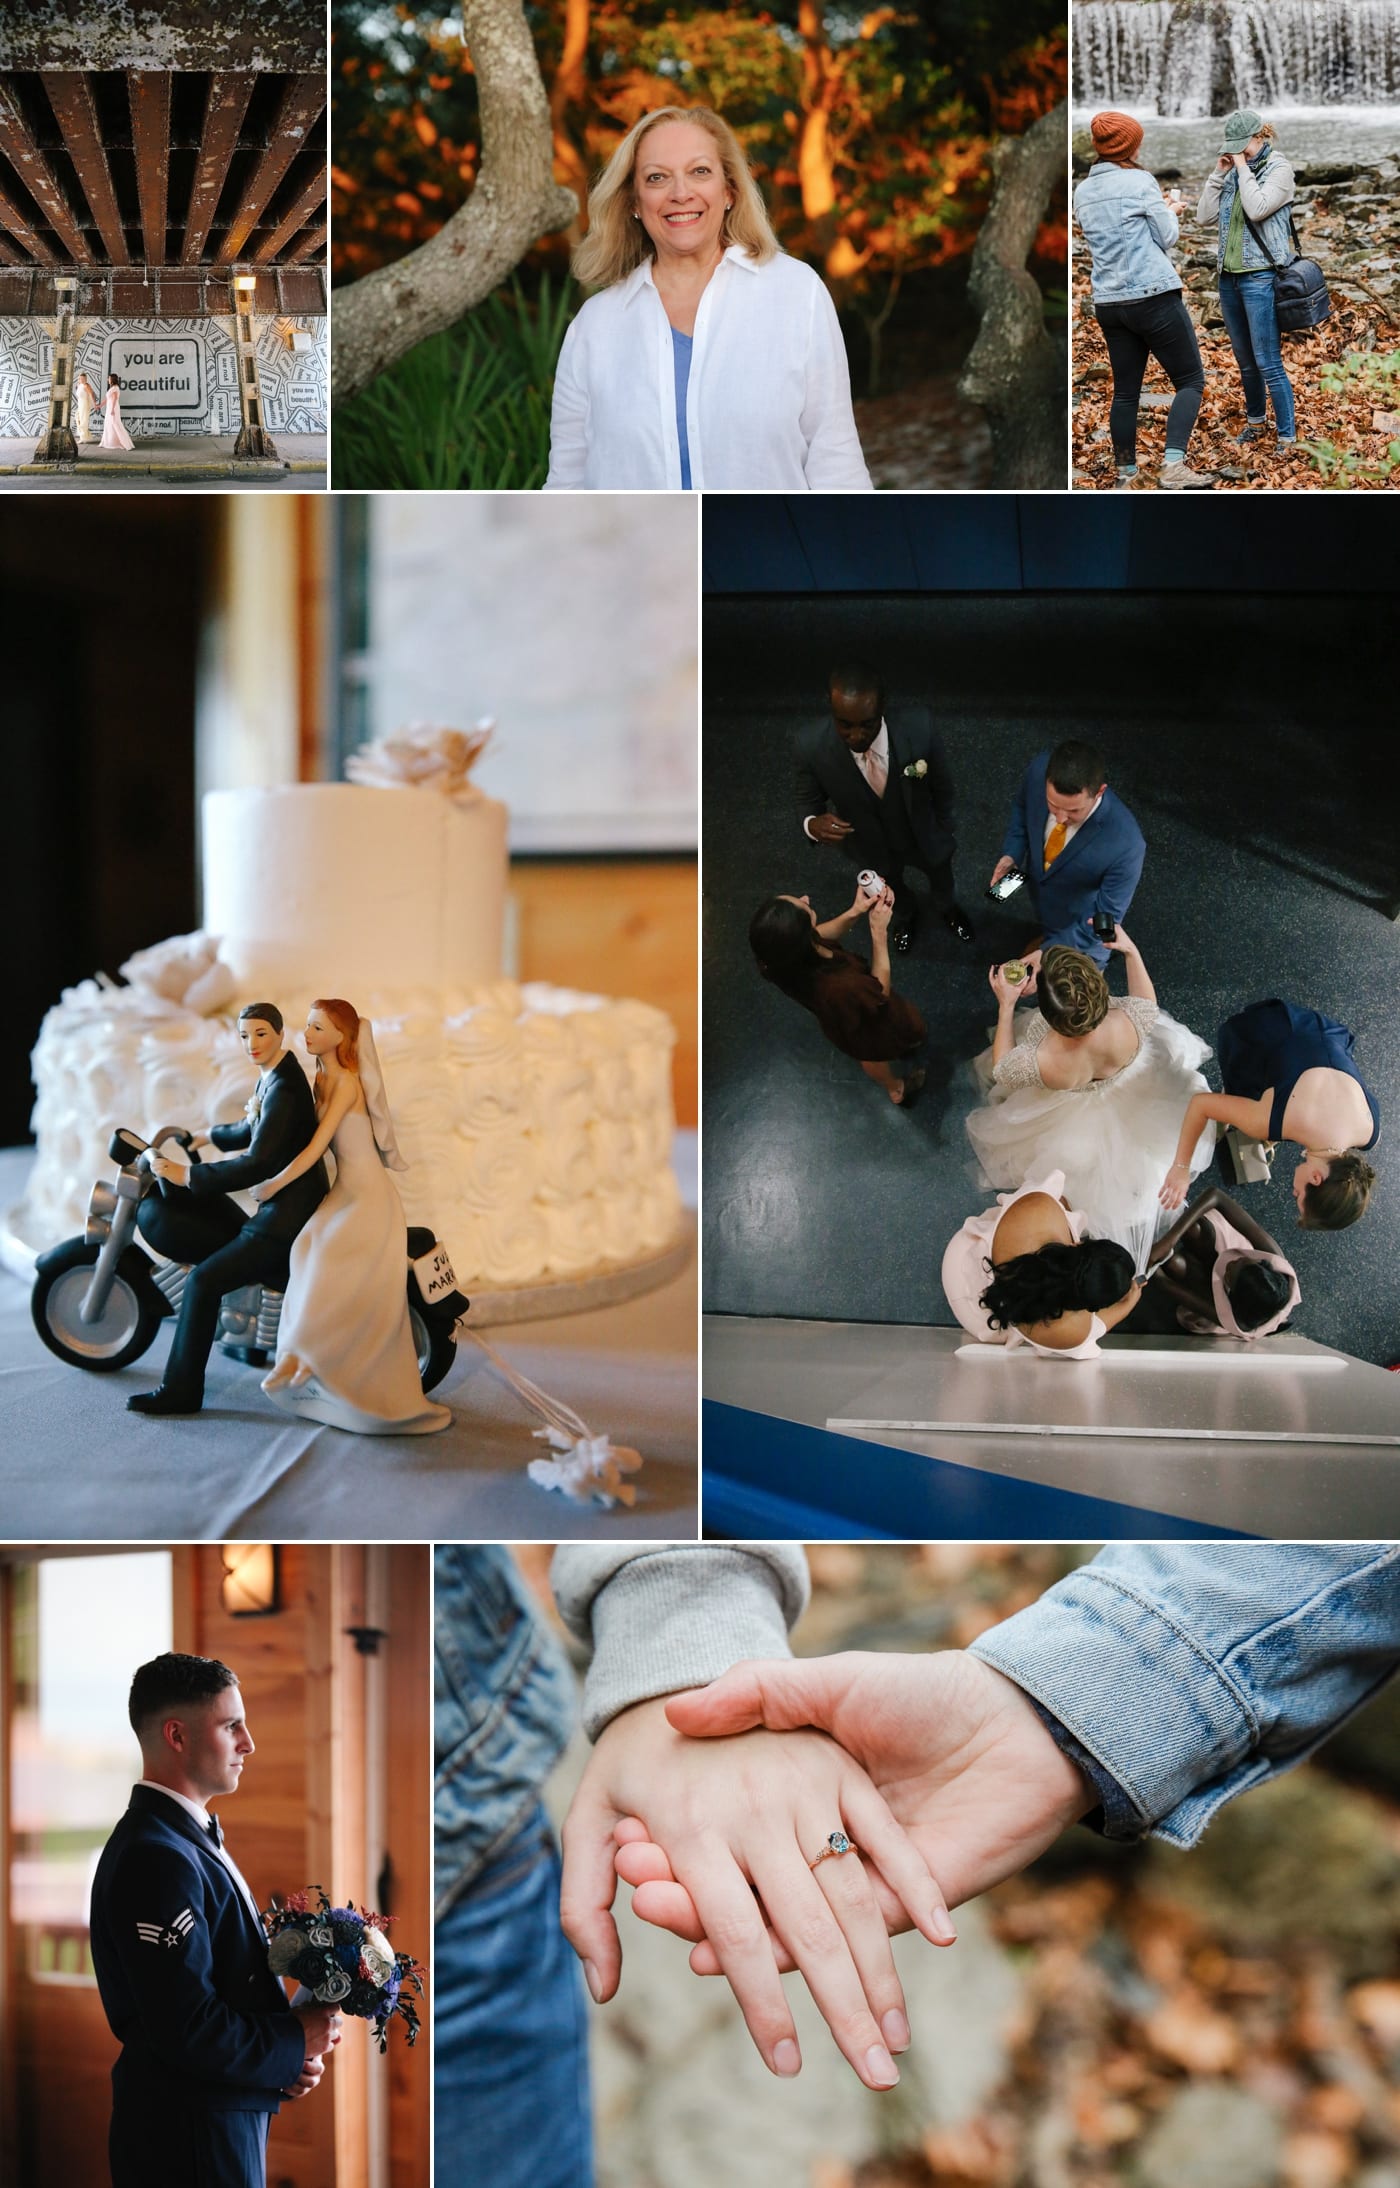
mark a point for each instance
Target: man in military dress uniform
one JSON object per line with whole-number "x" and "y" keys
{"x": 210, "y": 2046}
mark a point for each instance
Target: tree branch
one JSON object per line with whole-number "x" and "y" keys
{"x": 379, "y": 318}
{"x": 1014, "y": 371}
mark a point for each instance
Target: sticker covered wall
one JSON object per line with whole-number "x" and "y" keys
{"x": 178, "y": 375}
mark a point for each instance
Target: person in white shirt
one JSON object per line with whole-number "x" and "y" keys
{"x": 707, "y": 358}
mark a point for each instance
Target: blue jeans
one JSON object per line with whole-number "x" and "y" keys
{"x": 511, "y": 2042}
{"x": 1251, "y": 321}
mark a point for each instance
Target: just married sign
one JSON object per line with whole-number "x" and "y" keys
{"x": 158, "y": 372}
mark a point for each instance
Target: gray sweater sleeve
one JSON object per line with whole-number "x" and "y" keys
{"x": 657, "y": 1618}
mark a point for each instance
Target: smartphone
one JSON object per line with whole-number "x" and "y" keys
{"x": 1007, "y": 886}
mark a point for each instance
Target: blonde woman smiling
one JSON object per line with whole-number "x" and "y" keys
{"x": 707, "y": 357}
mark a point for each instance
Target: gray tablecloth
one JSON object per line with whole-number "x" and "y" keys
{"x": 76, "y": 1466}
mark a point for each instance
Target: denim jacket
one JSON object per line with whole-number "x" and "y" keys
{"x": 1268, "y": 198}
{"x": 1127, "y": 224}
{"x": 1190, "y": 1673}
{"x": 505, "y": 1706}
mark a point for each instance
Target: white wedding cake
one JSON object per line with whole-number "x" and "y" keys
{"x": 536, "y": 1123}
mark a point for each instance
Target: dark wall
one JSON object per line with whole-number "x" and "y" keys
{"x": 101, "y": 606}
{"x": 890, "y": 543}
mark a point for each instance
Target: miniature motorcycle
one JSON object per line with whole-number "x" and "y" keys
{"x": 98, "y": 1300}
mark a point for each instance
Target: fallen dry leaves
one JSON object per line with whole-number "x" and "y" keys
{"x": 1342, "y": 420}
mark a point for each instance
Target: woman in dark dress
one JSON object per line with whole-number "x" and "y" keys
{"x": 1289, "y": 1074}
{"x": 851, "y": 1001}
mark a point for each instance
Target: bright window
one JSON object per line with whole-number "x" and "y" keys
{"x": 81, "y": 1627}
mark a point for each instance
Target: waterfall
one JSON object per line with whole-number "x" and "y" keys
{"x": 1195, "y": 57}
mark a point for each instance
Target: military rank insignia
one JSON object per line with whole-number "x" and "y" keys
{"x": 169, "y": 1934}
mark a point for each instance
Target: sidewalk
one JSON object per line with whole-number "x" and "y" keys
{"x": 192, "y": 460}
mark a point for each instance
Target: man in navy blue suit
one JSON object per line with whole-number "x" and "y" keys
{"x": 1077, "y": 844}
{"x": 210, "y": 2046}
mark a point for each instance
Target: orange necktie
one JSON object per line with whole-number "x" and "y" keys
{"x": 1054, "y": 844}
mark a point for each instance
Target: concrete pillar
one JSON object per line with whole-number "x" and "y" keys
{"x": 57, "y": 445}
{"x": 253, "y": 436}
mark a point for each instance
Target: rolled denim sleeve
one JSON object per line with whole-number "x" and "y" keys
{"x": 673, "y": 1615}
{"x": 1191, "y": 1673}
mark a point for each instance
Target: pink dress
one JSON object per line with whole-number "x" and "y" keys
{"x": 114, "y": 433}
{"x": 965, "y": 1276}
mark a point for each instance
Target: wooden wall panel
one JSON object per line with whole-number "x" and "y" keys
{"x": 618, "y": 927}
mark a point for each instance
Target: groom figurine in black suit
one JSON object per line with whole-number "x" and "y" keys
{"x": 877, "y": 784}
{"x": 210, "y": 2046}
{"x": 196, "y": 1222}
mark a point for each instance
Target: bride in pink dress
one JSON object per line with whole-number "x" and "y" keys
{"x": 114, "y": 433}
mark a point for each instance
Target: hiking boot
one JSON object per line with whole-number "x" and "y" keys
{"x": 1179, "y": 478}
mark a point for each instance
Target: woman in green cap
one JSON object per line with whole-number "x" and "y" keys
{"x": 1249, "y": 195}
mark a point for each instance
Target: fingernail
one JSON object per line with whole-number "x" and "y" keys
{"x": 880, "y": 2069}
{"x": 594, "y": 1981}
{"x": 942, "y": 1927}
{"x": 895, "y": 2029}
{"x": 787, "y": 2059}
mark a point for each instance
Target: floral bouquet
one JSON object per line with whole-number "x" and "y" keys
{"x": 341, "y": 1955}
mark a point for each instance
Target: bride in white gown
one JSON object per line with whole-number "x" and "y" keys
{"x": 345, "y": 1351}
{"x": 1091, "y": 1084}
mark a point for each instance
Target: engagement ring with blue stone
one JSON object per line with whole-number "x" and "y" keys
{"x": 837, "y": 1843}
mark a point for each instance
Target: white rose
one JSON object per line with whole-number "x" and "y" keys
{"x": 322, "y": 1934}
{"x": 335, "y": 1987}
{"x": 378, "y": 1956}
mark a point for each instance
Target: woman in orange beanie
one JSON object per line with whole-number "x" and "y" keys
{"x": 1128, "y": 224}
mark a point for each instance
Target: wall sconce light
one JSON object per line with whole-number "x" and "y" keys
{"x": 251, "y": 1586}
{"x": 245, "y": 281}
{"x": 65, "y": 281}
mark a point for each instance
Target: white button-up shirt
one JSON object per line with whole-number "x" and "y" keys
{"x": 768, "y": 403}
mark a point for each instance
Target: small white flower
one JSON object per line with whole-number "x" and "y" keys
{"x": 378, "y": 1956}
{"x": 322, "y": 1934}
{"x": 918, "y": 769}
{"x": 333, "y": 1988}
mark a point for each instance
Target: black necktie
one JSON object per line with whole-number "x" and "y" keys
{"x": 215, "y": 1830}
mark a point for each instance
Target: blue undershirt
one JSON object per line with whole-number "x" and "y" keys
{"x": 680, "y": 352}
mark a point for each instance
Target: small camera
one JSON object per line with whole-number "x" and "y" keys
{"x": 870, "y": 883}
{"x": 1105, "y": 928}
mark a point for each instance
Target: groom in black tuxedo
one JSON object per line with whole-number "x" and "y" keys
{"x": 195, "y": 1221}
{"x": 877, "y": 784}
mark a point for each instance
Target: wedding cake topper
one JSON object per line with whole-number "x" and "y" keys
{"x": 422, "y": 757}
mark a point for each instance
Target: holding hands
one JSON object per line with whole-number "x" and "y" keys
{"x": 740, "y": 1824}
{"x": 716, "y": 1830}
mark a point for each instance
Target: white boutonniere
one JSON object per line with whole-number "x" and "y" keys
{"x": 916, "y": 770}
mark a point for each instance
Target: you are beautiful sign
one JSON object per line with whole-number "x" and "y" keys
{"x": 158, "y": 372}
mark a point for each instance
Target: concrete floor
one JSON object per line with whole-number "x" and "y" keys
{"x": 909, "y": 1432}
{"x": 170, "y": 461}
{"x": 1269, "y": 794}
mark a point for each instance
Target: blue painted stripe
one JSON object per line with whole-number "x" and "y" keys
{"x": 767, "y": 1478}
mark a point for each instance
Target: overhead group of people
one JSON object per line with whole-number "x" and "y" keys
{"x": 1129, "y": 224}
{"x": 1095, "y": 1113}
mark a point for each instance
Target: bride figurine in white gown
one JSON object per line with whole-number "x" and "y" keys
{"x": 1091, "y": 1084}
{"x": 345, "y": 1351}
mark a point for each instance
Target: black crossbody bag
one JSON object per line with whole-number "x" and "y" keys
{"x": 1300, "y": 287}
